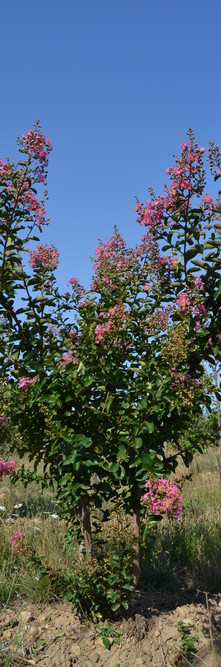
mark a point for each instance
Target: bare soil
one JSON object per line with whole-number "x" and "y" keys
{"x": 54, "y": 636}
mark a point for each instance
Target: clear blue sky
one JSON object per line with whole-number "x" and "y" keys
{"x": 115, "y": 84}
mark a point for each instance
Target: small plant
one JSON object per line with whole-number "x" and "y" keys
{"x": 107, "y": 631}
{"x": 187, "y": 643}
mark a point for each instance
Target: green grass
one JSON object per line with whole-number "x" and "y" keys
{"x": 187, "y": 552}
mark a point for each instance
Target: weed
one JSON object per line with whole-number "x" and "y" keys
{"x": 188, "y": 641}
{"x": 108, "y": 631}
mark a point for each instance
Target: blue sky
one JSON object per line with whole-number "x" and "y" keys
{"x": 115, "y": 84}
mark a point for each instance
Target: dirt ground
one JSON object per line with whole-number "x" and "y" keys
{"x": 54, "y": 636}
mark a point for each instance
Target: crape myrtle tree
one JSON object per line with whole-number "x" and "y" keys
{"x": 97, "y": 382}
{"x": 186, "y": 222}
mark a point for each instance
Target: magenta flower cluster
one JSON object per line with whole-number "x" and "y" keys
{"x": 162, "y": 497}
{"x": 34, "y": 206}
{"x": 182, "y": 174}
{"x": 78, "y": 289}
{"x": 112, "y": 317}
{"x": 5, "y": 169}
{"x": 36, "y": 144}
{"x": 179, "y": 379}
{"x": 44, "y": 258}
{"x": 17, "y": 537}
{"x": 7, "y": 467}
{"x": 25, "y": 382}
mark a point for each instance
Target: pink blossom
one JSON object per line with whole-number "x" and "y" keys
{"x": 197, "y": 326}
{"x": 207, "y": 199}
{"x": 44, "y": 258}
{"x": 36, "y": 144}
{"x": 183, "y": 301}
{"x": 7, "y": 467}
{"x": 163, "y": 497}
{"x": 17, "y": 537}
{"x": 5, "y": 169}
{"x": 25, "y": 382}
{"x": 199, "y": 282}
{"x": 34, "y": 206}
{"x": 99, "y": 331}
{"x": 77, "y": 288}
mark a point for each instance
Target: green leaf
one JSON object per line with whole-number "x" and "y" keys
{"x": 144, "y": 533}
{"x": 121, "y": 452}
{"x": 82, "y": 440}
{"x": 125, "y": 604}
{"x": 192, "y": 252}
{"x": 150, "y": 426}
{"x": 197, "y": 262}
{"x": 109, "y": 404}
{"x": 138, "y": 443}
{"x": 106, "y": 642}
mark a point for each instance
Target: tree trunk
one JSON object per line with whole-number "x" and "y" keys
{"x": 86, "y": 523}
{"x": 136, "y": 547}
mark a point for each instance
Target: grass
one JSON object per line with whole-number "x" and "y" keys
{"x": 190, "y": 550}
{"x": 187, "y": 552}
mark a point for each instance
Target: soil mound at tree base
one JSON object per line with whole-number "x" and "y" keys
{"x": 53, "y": 636}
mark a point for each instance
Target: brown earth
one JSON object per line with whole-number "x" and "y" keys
{"x": 53, "y": 636}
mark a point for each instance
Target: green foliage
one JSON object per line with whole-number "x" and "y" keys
{"x": 188, "y": 642}
{"x": 102, "y": 585}
{"x": 95, "y": 383}
{"x": 107, "y": 631}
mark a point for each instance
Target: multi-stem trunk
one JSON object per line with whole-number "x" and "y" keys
{"x": 136, "y": 547}
{"x": 86, "y": 523}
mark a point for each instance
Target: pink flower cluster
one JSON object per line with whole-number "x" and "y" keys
{"x": 180, "y": 379}
{"x": 7, "y": 467}
{"x": 36, "y": 144}
{"x": 17, "y": 537}
{"x": 163, "y": 497}
{"x": 110, "y": 253}
{"x": 185, "y": 182}
{"x": 34, "y": 206}
{"x": 76, "y": 287}
{"x": 5, "y": 169}
{"x": 184, "y": 170}
{"x": 208, "y": 202}
{"x": 153, "y": 213}
{"x": 102, "y": 329}
{"x": 165, "y": 262}
{"x": 67, "y": 358}
{"x": 25, "y": 382}
{"x": 183, "y": 301}
{"x": 44, "y": 258}
{"x": 198, "y": 282}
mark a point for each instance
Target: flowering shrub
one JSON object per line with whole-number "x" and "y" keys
{"x": 162, "y": 497}
{"x": 121, "y": 371}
